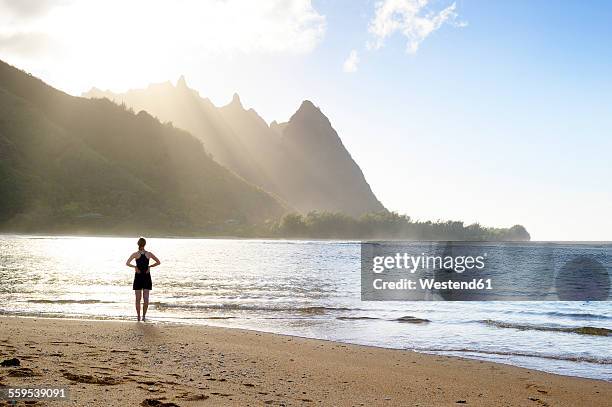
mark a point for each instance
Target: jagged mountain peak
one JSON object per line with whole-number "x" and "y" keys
{"x": 236, "y": 102}
{"x": 181, "y": 83}
{"x": 307, "y": 105}
{"x": 309, "y": 114}
{"x": 308, "y": 110}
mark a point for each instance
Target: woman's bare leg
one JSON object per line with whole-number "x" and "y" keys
{"x": 145, "y": 305}
{"x": 138, "y": 296}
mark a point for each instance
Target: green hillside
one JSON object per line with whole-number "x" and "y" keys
{"x": 75, "y": 164}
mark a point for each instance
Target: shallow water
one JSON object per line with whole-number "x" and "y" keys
{"x": 309, "y": 289}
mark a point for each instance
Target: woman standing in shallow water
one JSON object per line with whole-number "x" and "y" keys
{"x": 142, "y": 276}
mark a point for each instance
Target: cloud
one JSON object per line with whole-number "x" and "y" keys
{"x": 126, "y": 43}
{"x": 25, "y": 44}
{"x": 25, "y": 9}
{"x": 292, "y": 26}
{"x": 412, "y": 19}
{"x": 120, "y": 44}
{"x": 350, "y": 65}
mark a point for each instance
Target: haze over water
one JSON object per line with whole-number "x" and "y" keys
{"x": 309, "y": 289}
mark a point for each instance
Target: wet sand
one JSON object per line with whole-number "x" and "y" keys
{"x": 129, "y": 364}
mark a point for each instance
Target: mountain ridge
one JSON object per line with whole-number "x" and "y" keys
{"x": 289, "y": 160}
{"x": 132, "y": 171}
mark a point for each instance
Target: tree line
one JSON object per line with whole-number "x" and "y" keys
{"x": 388, "y": 225}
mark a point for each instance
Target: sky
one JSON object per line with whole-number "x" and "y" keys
{"x": 497, "y": 112}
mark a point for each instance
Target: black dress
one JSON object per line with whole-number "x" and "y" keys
{"x": 142, "y": 279}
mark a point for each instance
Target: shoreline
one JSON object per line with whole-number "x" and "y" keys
{"x": 184, "y": 364}
{"x": 182, "y": 323}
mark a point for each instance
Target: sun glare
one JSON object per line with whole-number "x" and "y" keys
{"x": 131, "y": 44}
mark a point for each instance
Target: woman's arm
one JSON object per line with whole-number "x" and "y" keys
{"x": 129, "y": 262}
{"x": 157, "y": 262}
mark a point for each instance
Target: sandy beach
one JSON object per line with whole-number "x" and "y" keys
{"x": 129, "y": 363}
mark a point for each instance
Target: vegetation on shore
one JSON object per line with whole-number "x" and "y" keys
{"x": 314, "y": 225}
{"x": 389, "y": 225}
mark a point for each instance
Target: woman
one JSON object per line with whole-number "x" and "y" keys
{"x": 142, "y": 276}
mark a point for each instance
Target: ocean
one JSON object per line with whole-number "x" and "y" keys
{"x": 304, "y": 288}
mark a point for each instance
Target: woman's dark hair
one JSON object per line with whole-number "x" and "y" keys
{"x": 142, "y": 242}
